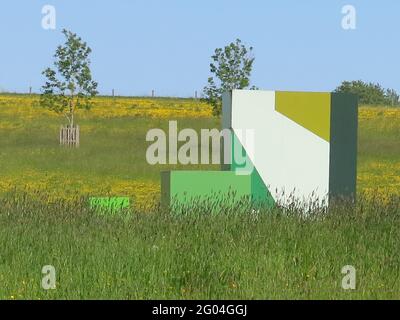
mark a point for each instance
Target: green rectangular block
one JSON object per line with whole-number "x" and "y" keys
{"x": 186, "y": 186}
{"x": 111, "y": 204}
{"x": 343, "y": 146}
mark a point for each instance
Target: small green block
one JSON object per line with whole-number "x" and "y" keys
{"x": 110, "y": 204}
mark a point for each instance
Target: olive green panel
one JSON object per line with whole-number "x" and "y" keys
{"x": 308, "y": 109}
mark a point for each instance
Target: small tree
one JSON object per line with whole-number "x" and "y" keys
{"x": 70, "y": 86}
{"x": 231, "y": 67}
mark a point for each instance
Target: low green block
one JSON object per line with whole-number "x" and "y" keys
{"x": 186, "y": 186}
{"x": 111, "y": 204}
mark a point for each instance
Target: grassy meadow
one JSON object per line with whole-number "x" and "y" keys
{"x": 112, "y": 157}
{"x": 146, "y": 253}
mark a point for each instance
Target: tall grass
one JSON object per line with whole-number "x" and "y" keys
{"x": 266, "y": 254}
{"x": 237, "y": 253}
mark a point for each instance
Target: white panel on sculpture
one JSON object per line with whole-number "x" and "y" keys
{"x": 292, "y": 161}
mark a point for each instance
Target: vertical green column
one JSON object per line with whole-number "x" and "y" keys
{"x": 343, "y": 146}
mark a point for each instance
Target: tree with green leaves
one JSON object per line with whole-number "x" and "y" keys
{"x": 69, "y": 86}
{"x": 392, "y": 97}
{"x": 370, "y": 93}
{"x": 231, "y": 68}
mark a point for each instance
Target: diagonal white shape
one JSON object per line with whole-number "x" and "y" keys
{"x": 292, "y": 161}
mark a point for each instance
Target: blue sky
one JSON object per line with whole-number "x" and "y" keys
{"x": 166, "y": 45}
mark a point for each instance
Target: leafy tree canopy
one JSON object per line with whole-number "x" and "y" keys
{"x": 69, "y": 86}
{"x": 231, "y": 68}
{"x": 370, "y": 93}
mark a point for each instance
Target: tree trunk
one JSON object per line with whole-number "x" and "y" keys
{"x": 72, "y": 107}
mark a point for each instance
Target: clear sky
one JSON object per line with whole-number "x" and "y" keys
{"x": 140, "y": 45}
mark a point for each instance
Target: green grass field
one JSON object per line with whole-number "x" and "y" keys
{"x": 147, "y": 253}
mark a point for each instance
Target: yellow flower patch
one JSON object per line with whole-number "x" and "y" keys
{"x": 143, "y": 194}
{"x": 22, "y": 107}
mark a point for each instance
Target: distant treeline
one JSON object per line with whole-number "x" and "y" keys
{"x": 370, "y": 93}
